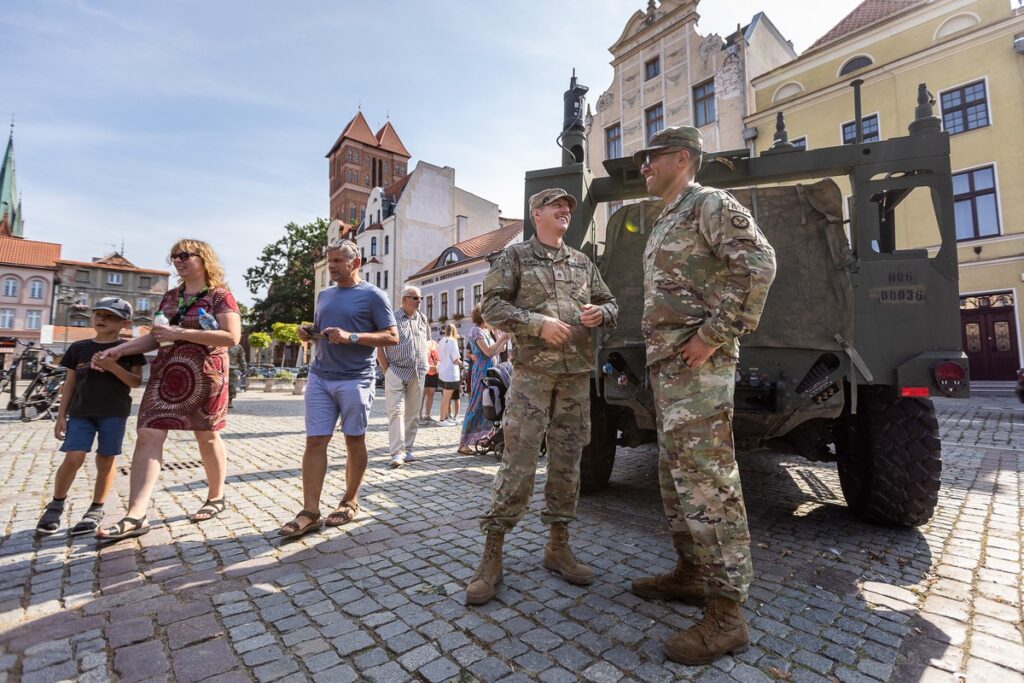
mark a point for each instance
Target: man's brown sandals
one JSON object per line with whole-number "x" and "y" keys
{"x": 343, "y": 514}
{"x": 294, "y": 528}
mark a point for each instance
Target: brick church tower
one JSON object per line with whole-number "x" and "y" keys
{"x": 360, "y": 161}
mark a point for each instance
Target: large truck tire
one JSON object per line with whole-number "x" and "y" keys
{"x": 890, "y": 458}
{"x": 599, "y": 455}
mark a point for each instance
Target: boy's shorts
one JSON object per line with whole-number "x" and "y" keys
{"x": 327, "y": 399}
{"x": 82, "y": 431}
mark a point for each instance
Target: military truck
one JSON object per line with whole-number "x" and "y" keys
{"x": 859, "y": 330}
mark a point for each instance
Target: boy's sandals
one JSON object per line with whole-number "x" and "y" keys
{"x": 50, "y": 521}
{"x": 128, "y": 527}
{"x": 343, "y": 514}
{"x": 210, "y": 509}
{"x": 90, "y": 522}
{"x": 292, "y": 528}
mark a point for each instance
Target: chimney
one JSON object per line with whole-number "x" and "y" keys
{"x": 460, "y": 228}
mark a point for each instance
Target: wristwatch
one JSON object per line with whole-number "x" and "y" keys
{"x": 354, "y": 338}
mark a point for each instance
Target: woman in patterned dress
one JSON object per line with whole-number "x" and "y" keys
{"x": 188, "y": 383}
{"x": 485, "y": 348}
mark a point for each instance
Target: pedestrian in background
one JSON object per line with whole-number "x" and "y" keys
{"x": 550, "y": 296}
{"x": 405, "y": 369}
{"x": 430, "y": 383}
{"x": 94, "y": 408}
{"x": 353, "y": 318}
{"x": 449, "y": 372}
{"x": 188, "y": 385}
{"x": 707, "y": 270}
{"x": 484, "y": 347}
{"x": 237, "y": 367}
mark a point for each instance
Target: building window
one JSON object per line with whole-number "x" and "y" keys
{"x": 430, "y": 308}
{"x": 378, "y": 279}
{"x": 965, "y": 108}
{"x": 613, "y": 142}
{"x": 974, "y": 203}
{"x": 113, "y": 278}
{"x": 35, "y": 289}
{"x": 385, "y": 279}
{"x": 444, "y": 305}
{"x": 799, "y": 143}
{"x": 78, "y": 323}
{"x": 142, "y": 306}
{"x": 655, "y": 119}
{"x": 145, "y": 282}
{"x": 870, "y": 127}
{"x": 855, "y": 64}
{"x": 704, "y": 104}
{"x": 373, "y": 246}
{"x": 352, "y": 214}
{"x": 449, "y": 258}
{"x": 478, "y": 292}
{"x": 387, "y": 243}
{"x": 652, "y": 68}
{"x": 460, "y": 301}
{"x": 613, "y": 207}
{"x": 33, "y": 320}
{"x": 10, "y": 286}
{"x": 6, "y": 318}
{"x": 82, "y": 276}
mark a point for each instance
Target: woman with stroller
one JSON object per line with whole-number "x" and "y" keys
{"x": 485, "y": 349}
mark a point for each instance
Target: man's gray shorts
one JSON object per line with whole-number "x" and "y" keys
{"x": 326, "y": 399}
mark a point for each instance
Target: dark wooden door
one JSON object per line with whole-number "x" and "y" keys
{"x": 990, "y": 341}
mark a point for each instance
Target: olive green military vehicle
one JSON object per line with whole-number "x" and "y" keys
{"x": 860, "y": 328}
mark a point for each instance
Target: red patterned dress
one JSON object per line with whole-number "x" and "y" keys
{"x": 188, "y": 383}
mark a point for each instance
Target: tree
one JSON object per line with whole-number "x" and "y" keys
{"x": 285, "y": 272}
{"x": 285, "y": 333}
{"x": 259, "y": 341}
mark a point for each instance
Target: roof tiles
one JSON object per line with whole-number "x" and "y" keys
{"x": 865, "y": 14}
{"x": 480, "y": 246}
{"x": 21, "y": 252}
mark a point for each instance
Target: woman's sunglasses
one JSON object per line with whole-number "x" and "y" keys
{"x": 183, "y": 256}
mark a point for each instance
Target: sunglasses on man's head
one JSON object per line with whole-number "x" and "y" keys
{"x": 183, "y": 255}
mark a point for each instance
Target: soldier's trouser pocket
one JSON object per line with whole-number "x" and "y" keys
{"x": 703, "y": 497}
{"x": 683, "y": 394}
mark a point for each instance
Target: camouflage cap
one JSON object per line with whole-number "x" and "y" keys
{"x": 545, "y": 197}
{"x": 677, "y": 136}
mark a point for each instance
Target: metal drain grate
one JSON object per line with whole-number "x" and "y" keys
{"x": 184, "y": 465}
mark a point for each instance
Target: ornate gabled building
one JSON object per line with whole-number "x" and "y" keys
{"x": 83, "y": 283}
{"x": 11, "y": 222}
{"x": 360, "y": 161}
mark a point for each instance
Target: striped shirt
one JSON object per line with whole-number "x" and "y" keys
{"x": 408, "y": 358}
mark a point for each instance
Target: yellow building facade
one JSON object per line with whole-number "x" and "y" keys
{"x": 970, "y": 53}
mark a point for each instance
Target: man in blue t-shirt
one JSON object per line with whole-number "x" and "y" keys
{"x": 352, "y": 320}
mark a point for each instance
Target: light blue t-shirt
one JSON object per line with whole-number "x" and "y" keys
{"x": 361, "y": 308}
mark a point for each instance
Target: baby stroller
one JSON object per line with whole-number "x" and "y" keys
{"x": 496, "y": 382}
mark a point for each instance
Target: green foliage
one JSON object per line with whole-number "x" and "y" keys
{"x": 259, "y": 340}
{"x": 286, "y": 333}
{"x": 284, "y": 374}
{"x": 285, "y": 273}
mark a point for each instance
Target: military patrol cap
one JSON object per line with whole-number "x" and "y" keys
{"x": 668, "y": 138}
{"x": 545, "y": 197}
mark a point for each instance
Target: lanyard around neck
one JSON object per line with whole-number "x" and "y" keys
{"x": 183, "y": 305}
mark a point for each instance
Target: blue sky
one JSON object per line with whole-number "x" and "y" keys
{"x": 149, "y": 121}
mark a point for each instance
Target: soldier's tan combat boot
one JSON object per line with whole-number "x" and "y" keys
{"x": 489, "y": 574}
{"x": 558, "y": 558}
{"x": 722, "y": 631}
{"x": 684, "y": 583}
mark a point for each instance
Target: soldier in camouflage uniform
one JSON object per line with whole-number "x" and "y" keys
{"x": 550, "y": 296}
{"x": 236, "y": 371}
{"x": 707, "y": 270}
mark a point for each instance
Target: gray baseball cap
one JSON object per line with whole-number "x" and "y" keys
{"x": 119, "y": 307}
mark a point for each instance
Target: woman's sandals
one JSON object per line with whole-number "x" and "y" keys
{"x": 343, "y": 514}
{"x": 128, "y": 527}
{"x": 292, "y": 528}
{"x": 210, "y": 509}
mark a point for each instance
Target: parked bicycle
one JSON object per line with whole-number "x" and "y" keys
{"x": 42, "y": 397}
{"x": 9, "y": 377}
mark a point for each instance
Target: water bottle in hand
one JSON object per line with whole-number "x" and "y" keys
{"x": 161, "y": 319}
{"x": 207, "y": 321}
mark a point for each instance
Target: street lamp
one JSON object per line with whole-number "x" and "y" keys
{"x": 70, "y": 298}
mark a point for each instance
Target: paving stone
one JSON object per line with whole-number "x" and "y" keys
{"x": 141, "y": 661}
{"x": 194, "y": 630}
{"x": 441, "y": 669}
{"x": 203, "y": 660}
{"x": 602, "y": 672}
{"x": 342, "y": 673}
{"x": 352, "y": 642}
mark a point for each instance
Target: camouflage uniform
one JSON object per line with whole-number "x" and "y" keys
{"x": 236, "y": 369}
{"x": 707, "y": 269}
{"x": 550, "y": 388}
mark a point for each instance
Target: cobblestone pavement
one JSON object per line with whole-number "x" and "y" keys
{"x": 833, "y": 599}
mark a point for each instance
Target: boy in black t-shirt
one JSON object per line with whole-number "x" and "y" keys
{"x": 93, "y": 404}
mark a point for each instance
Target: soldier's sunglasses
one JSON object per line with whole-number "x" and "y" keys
{"x": 645, "y": 159}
